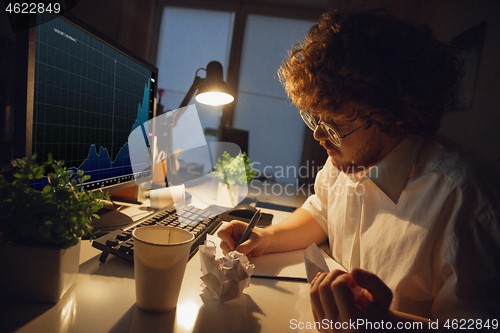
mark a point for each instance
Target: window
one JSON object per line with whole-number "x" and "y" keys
{"x": 276, "y": 130}
{"x": 190, "y": 39}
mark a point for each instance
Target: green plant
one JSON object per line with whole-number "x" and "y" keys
{"x": 58, "y": 215}
{"x": 234, "y": 170}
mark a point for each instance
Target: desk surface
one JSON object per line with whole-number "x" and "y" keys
{"x": 103, "y": 300}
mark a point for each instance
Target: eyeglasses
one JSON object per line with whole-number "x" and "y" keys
{"x": 333, "y": 134}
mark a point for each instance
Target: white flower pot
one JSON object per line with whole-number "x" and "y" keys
{"x": 239, "y": 192}
{"x": 31, "y": 273}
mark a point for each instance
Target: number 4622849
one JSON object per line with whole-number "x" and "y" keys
{"x": 33, "y": 8}
{"x": 471, "y": 324}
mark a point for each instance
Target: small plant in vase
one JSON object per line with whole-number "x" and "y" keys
{"x": 235, "y": 172}
{"x": 38, "y": 227}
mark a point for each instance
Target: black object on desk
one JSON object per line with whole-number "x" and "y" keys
{"x": 245, "y": 211}
{"x": 239, "y": 212}
{"x": 270, "y": 205}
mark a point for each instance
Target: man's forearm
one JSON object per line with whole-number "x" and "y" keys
{"x": 296, "y": 232}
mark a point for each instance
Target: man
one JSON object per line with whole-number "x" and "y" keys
{"x": 413, "y": 218}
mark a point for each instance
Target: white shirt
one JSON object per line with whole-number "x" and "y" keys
{"x": 425, "y": 221}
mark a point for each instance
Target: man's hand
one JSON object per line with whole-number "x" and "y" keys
{"x": 298, "y": 231}
{"x": 337, "y": 296}
{"x": 231, "y": 233}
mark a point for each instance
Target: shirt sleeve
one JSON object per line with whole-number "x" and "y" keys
{"x": 317, "y": 204}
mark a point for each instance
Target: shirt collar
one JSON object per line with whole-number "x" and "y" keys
{"x": 391, "y": 174}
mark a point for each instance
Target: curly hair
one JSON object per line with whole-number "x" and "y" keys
{"x": 372, "y": 66}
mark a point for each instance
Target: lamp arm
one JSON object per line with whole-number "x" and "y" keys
{"x": 189, "y": 95}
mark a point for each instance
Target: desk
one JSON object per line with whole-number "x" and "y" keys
{"x": 103, "y": 300}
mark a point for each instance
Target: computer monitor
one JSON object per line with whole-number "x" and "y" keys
{"x": 84, "y": 94}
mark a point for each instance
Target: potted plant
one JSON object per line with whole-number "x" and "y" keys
{"x": 40, "y": 230}
{"x": 233, "y": 173}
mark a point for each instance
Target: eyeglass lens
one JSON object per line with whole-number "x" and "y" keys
{"x": 312, "y": 123}
{"x": 309, "y": 120}
{"x": 332, "y": 134}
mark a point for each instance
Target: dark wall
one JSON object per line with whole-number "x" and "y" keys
{"x": 7, "y": 86}
{"x": 127, "y": 22}
{"x": 477, "y": 123}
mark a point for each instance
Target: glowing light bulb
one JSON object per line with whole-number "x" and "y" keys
{"x": 214, "y": 98}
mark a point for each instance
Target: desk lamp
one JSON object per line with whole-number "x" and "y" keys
{"x": 212, "y": 90}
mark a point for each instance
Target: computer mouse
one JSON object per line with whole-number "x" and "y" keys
{"x": 243, "y": 211}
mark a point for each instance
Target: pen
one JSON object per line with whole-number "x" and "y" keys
{"x": 251, "y": 224}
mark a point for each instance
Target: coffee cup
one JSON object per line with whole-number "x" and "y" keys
{"x": 160, "y": 257}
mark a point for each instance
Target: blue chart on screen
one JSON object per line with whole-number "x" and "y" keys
{"x": 88, "y": 97}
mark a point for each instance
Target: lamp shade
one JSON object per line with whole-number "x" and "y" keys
{"x": 214, "y": 91}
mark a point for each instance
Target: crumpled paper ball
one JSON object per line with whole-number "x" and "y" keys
{"x": 224, "y": 278}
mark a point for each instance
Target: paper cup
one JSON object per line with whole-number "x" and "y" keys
{"x": 160, "y": 257}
